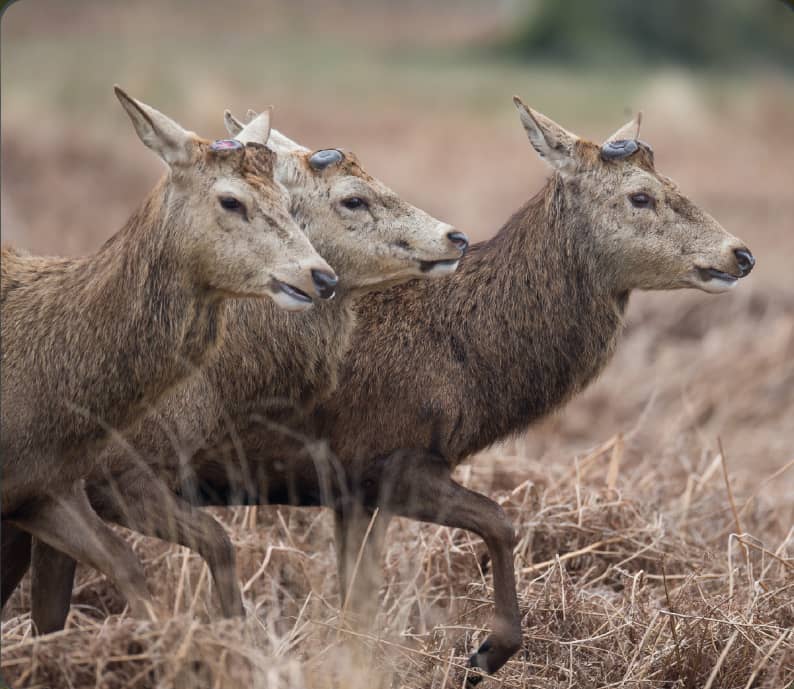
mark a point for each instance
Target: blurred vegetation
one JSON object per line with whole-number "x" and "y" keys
{"x": 702, "y": 33}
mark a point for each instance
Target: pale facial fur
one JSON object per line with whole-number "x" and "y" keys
{"x": 650, "y": 234}
{"x": 242, "y": 239}
{"x": 370, "y": 236}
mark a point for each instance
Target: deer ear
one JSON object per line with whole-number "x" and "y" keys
{"x": 257, "y": 130}
{"x": 553, "y": 143}
{"x": 233, "y": 125}
{"x": 283, "y": 144}
{"x": 160, "y": 133}
{"x": 630, "y": 130}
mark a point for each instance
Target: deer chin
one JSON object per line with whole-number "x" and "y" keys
{"x": 438, "y": 268}
{"x": 712, "y": 280}
{"x": 289, "y": 297}
{"x": 410, "y": 270}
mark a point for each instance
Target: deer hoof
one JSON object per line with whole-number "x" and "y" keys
{"x": 479, "y": 661}
{"x": 494, "y": 652}
{"x": 473, "y": 678}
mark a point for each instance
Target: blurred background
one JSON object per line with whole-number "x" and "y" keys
{"x": 421, "y": 91}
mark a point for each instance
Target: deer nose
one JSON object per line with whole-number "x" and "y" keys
{"x": 324, "y": 283}
{"x": 460, "y": 240}
{"x": 745, "y": 260}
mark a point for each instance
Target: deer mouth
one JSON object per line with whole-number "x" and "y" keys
{"x": 444, "y": 267}
{"x": 713, "y": 280}
{"x": 288, "y": 296}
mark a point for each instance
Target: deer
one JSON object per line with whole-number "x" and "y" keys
{"x": 268, "y": 375}
{"x": 90, "y": 344}
{"x": 439, "y": 370}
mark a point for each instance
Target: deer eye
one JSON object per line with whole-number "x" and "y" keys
{"x": 642, "y": 200}
{"x": 230, "y": 203}
{"x": 354, "y": 203}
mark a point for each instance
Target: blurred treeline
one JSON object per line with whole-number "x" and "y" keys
{"x": 703, "y": 33}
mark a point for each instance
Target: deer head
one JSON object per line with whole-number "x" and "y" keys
{"x": 229, "y": 216}
{"x": 368, "y": 233}
{"x": 642, "y": 231}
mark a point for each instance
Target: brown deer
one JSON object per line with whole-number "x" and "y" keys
{"x": 90, "y": 344}
{"x": 269, "y": 372}
{"x": 449, "y": 367}
{"x": 530, "y": 319}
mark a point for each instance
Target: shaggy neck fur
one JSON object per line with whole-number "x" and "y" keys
{"x": 281, "y": 362}
{"x": 454, "y": 365}
{"x": 548, "y": 325}
{"x": 529, "y": 319}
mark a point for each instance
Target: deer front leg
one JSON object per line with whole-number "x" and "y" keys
{"x": 419, "y": 485}
{"x": 145, "y": 504}
{"x": 15, "y": 558}
{"x": 69, "y": 524}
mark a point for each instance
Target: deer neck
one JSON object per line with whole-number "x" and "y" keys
{"x": 545, "y": 319}
{"x": 159, "y": 325}
{"x": 275, "y": 363}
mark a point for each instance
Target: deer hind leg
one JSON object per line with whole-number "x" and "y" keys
{"x": 15, "y": 558}
{"x": 69, "y": 524}
{"x": 147, "y": 505}
{"x": 153, "y": 511}
{"x": 359, "y": 545}
{"x": 418, "y": 485}
{"x": 51, "y": 583}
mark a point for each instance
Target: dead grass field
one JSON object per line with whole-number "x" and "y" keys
{"x": 646, "y": 559}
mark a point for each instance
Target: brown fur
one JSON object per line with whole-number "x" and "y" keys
{"x": 74, "y": 315}
{"x": 90, "y": 344}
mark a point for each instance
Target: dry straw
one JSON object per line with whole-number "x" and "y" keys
{"x": 615, "y": 594}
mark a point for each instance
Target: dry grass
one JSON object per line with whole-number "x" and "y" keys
{"x": 638, "y": 567}
{"x": 628, "y": 576}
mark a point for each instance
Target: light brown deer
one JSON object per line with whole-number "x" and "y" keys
{"x": 449, "y": 367}
{"x": 91, "y": 344}
{"x": 270, "y": 370}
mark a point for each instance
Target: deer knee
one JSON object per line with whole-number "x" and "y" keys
{"x": 216, "y": 546}
{"x": 501, "y": 529}
{"x": 129, "y": 576}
